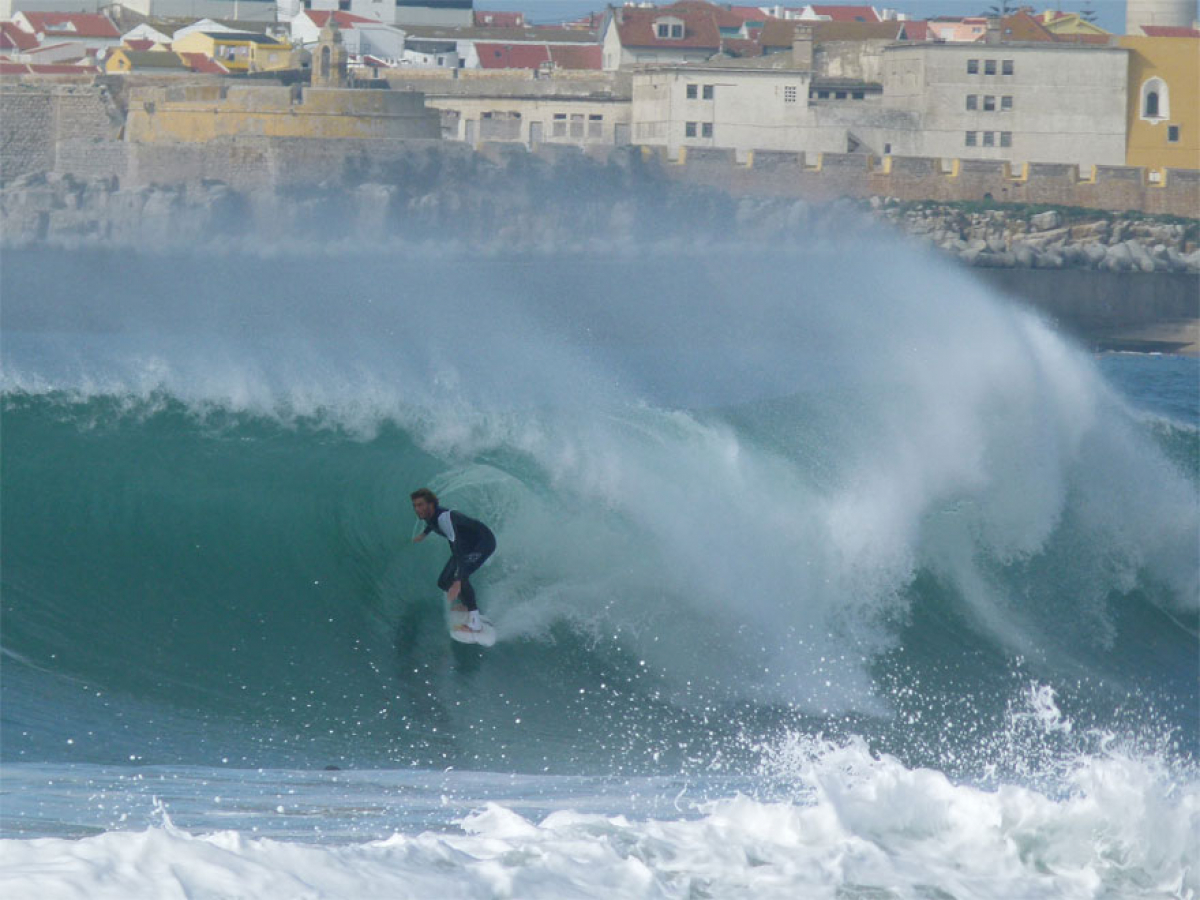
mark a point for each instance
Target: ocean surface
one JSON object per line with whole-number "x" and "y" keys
{"x": 821, "y": 573}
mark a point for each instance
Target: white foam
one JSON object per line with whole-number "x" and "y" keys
{"x": 860, "y": 825}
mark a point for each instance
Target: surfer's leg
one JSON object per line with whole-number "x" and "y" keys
{"x": 447, "y": 578}
{"x": 466, "y": 595}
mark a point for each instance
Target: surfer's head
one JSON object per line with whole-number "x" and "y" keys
{"x": 424, "y": 503}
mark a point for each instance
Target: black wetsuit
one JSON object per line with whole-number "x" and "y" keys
{"x": 471, "y": 543}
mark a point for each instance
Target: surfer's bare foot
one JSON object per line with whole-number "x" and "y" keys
{"x": 467, "y": 628}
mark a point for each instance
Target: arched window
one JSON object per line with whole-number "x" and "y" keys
{"x": 1156, "y": 100}
{"x": 323, "y": 68}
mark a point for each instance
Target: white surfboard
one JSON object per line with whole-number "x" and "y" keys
{"x": 485, "y": 637}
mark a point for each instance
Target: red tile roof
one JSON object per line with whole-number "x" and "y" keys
{"x": 487, "y": 18}
{"x": 741, "y": 47}
{"x": 205, "y": 65}
{"x": 14, "y": 38}
{"x": 847, "y": 13}
{"x": 12, "y": 68}
{"x": 511, "y": 56}
{"x": 724, "y": 17}
{"x": 635, "y": 26}
{"x": 915, "y": 31}
{"x": 749, "y": 13}
{"x": 139, "y": 44}
{"x": 320, "y": 17}
{"x": 1170, "y": 31}
{"x": 584, "y": 56}
{"x": 93, "y": 25}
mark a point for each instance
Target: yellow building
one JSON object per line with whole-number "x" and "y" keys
{"x": 1065, "y": 23}
{"x": 123, "y": 60}
{"x": 238, "y": 51}
{"x": 1164, "y": 102}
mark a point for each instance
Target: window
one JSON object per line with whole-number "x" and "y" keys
{"x": 972, "y": 101}
{"x": 989, "y": 139}
{"x": 989, "y": 67}
{"x": 708, "y": 91}
{"x": 663, "y": 30}
{"x": 789, "y": 94}
{"x": 887, "y": 149}
{"x": 689, "y": 129}
{"x": 595, "y": 126}
{"x": 559, "y": 127}
{"x": 1156, "y": 100}
{"x": 972, "y": 67}
{"x": 692, "y": 91}
{"x": 576, "y": 125}
{"x": 676, "y": 31}
{"x": 989, "y": 104}
{"x": 1006, "y": 139}
{"x": 1172, "y": 134}
{"x": 822, "y": 95}
{"x": 840, "y": 95}
{"x": 859, "y": 95}
{"x": 706, "y": 130}
{"x": 970, "y": 138}
{"x": 1005, "y": 104}
{"x": 1006, "y": 67}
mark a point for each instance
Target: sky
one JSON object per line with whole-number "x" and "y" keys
{"x": 1110, "y": 14}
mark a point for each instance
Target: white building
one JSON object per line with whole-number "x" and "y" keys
{"x": 759, "y": 104}
{"x": 1019, "y": 103}
{"x": 1035, "y": 102}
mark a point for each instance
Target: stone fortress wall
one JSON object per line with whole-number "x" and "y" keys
{"x": 265, "y": 135}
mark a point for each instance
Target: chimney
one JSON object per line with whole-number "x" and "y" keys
{"x": 994, "y": 30}
{"x": 802, "y": 48}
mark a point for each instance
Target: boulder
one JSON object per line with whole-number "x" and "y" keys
{"x": 1094, "y": 253}
{"x": 1045, "y": 221}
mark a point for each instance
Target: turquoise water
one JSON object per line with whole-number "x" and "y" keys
{"x": 787, "y": 541}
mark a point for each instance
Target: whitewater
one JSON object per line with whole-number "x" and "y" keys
{"x": 821, "y": 573}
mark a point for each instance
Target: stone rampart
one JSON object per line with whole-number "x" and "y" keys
{"x": 829, "y": 176}
{"x": 34, "y": 119}
{"x": 171, "y": 116}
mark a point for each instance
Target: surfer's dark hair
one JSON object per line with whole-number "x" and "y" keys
{"x": 425, "y": 494}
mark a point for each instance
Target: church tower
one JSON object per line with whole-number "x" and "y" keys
{"x": 329, "y": 57}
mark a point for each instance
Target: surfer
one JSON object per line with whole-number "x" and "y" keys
{"x": 471, "y": 543}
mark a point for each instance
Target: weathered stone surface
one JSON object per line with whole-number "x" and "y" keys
{"x": 1045, "y": 221}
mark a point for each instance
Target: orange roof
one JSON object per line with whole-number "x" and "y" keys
{"x": 635, "y": 26}
{"x": 488, "y": 18}
{"x": 582, "y": 56}
{"x": 12, "y": 68}
{"x": 14, "y": 38}
{"x": 511, "y": 56}
{"x": 198, "y": 62}
{"x": 92, "y": 25}
{"x": 724, "y": 17}
{"x": 320, "y": 17}
{"x": 847, "y": 13}
{"x": 1170, "y": 31}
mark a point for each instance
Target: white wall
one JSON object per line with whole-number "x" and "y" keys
{"x": 1068, "y": 101}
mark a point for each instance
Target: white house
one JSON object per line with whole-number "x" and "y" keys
{"x": 639, "y": 36}
{"x": 1037, "y": 102}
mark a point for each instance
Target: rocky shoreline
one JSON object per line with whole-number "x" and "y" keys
{"x": 56, "y": 209}
{"x": 1039, "y": 238}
